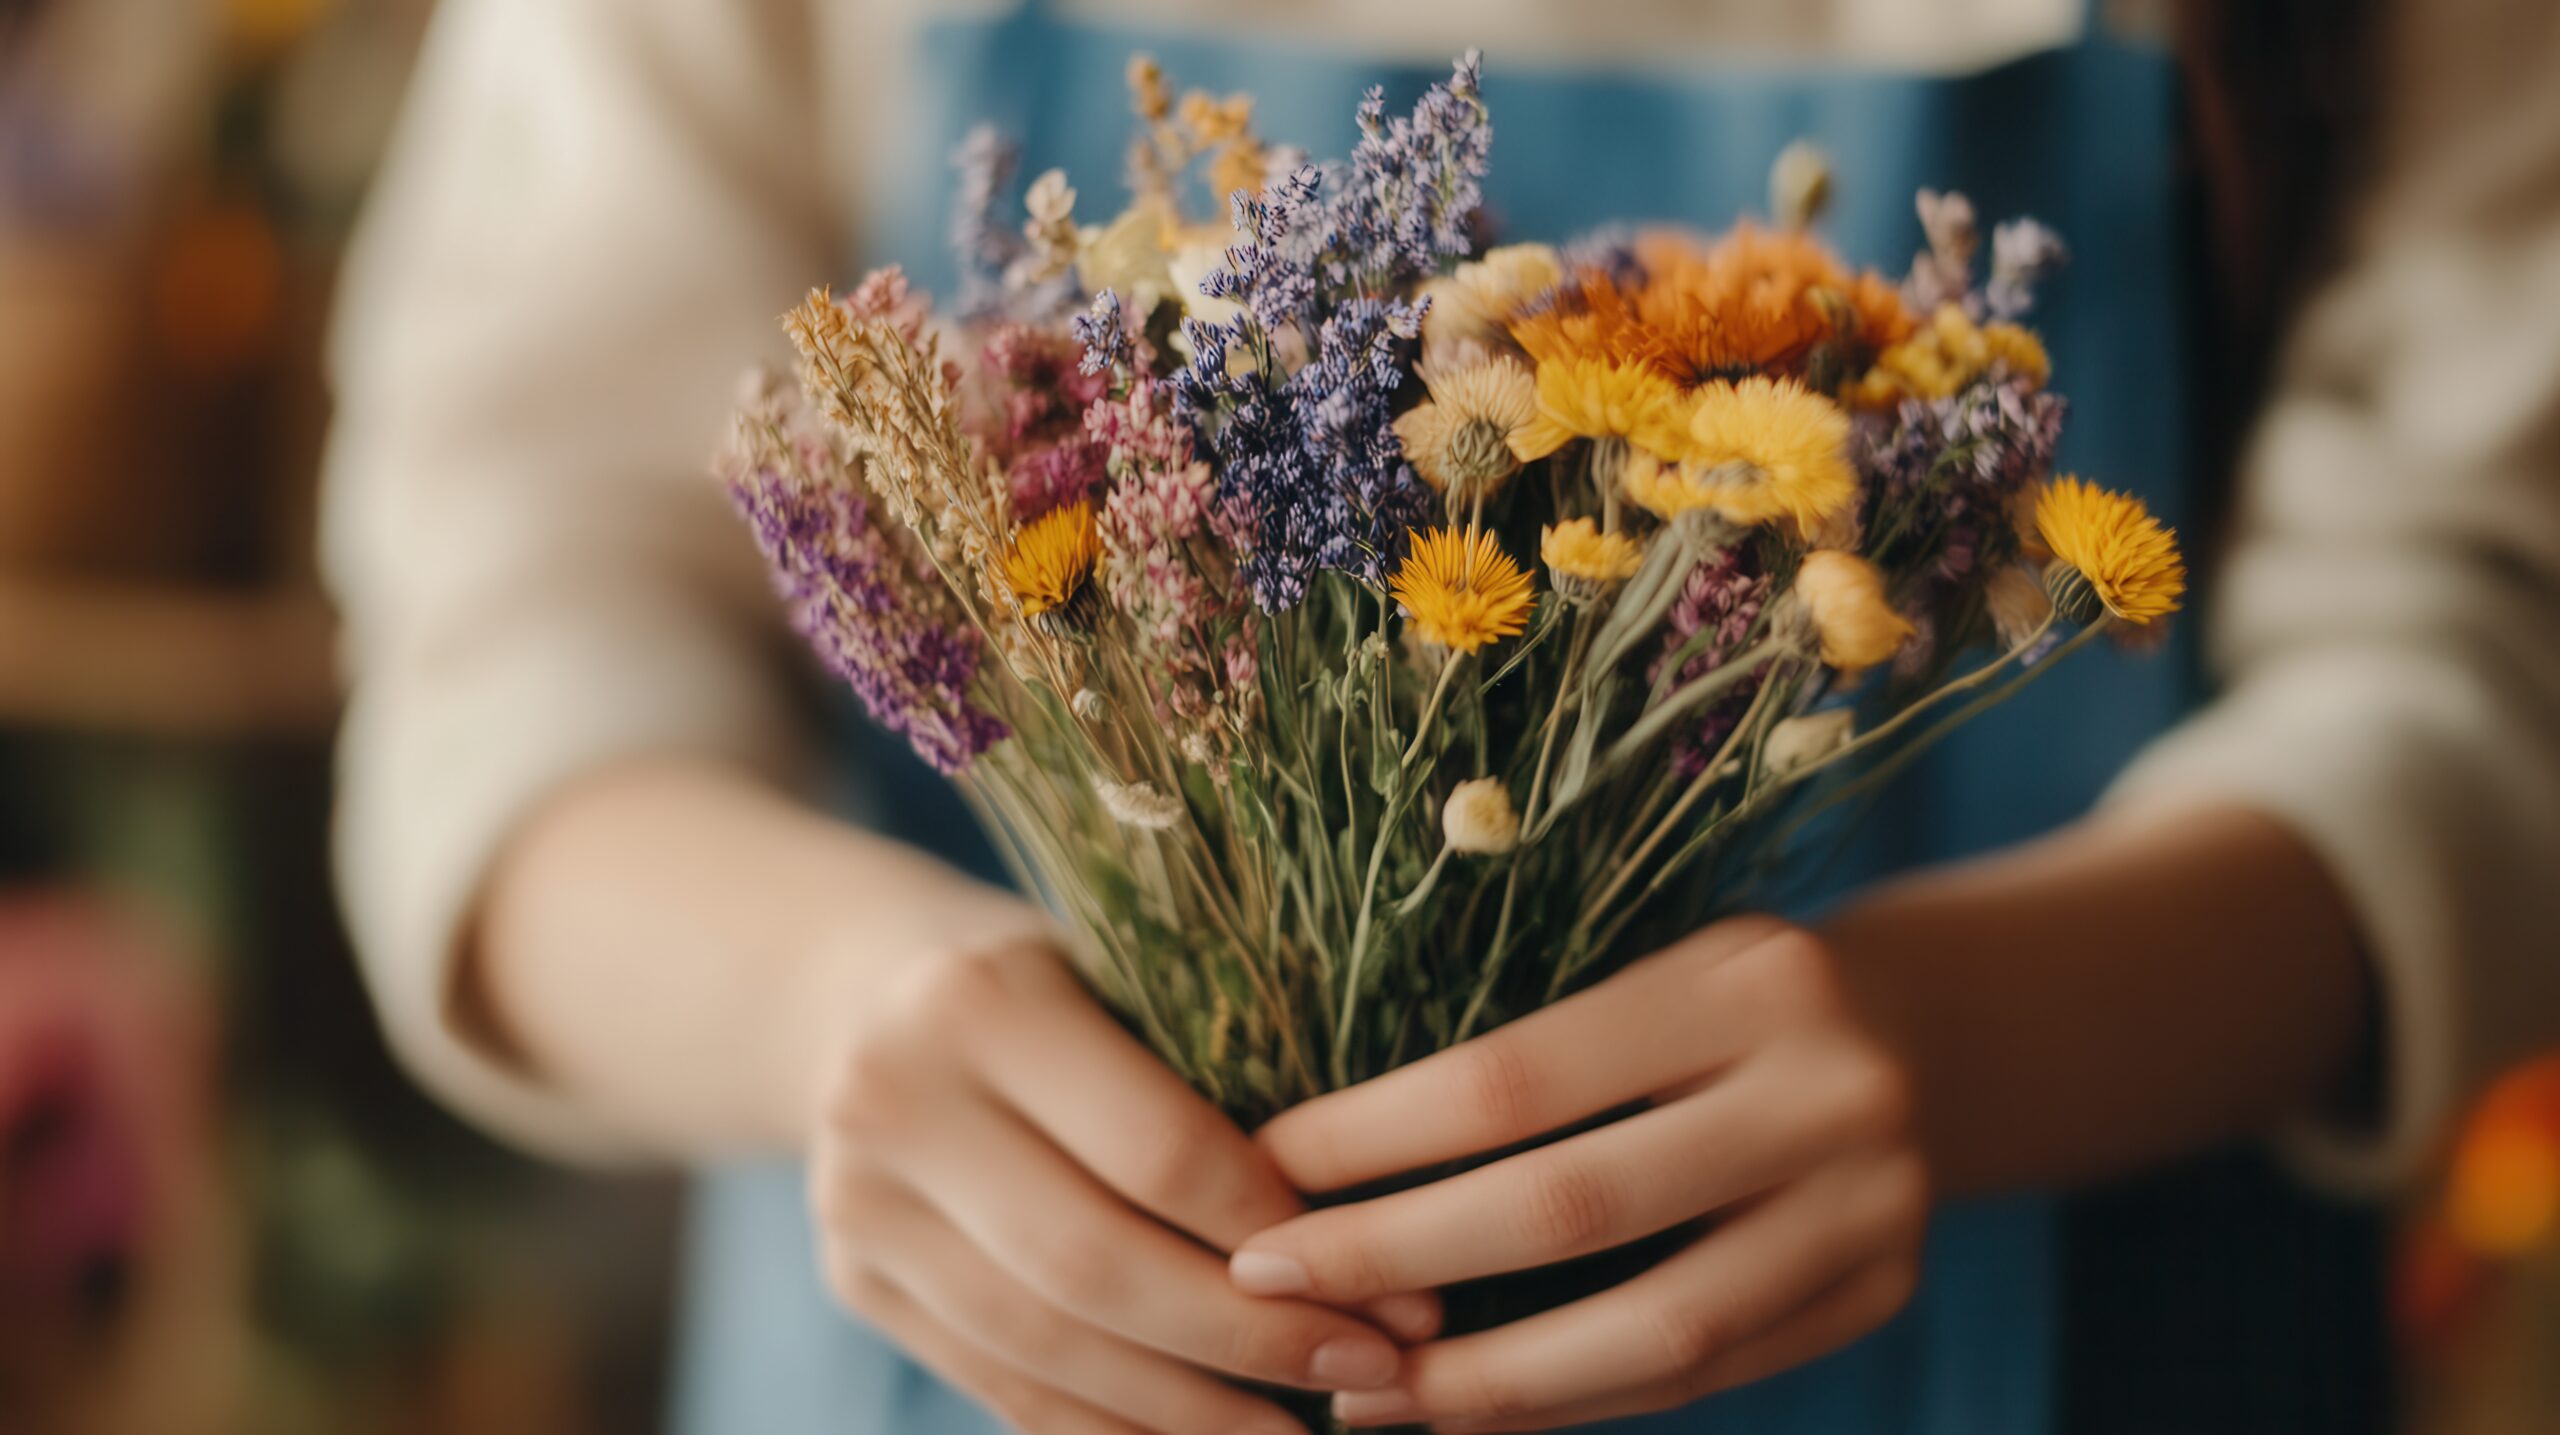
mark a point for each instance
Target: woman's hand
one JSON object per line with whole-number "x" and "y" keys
{"x": 1032, "y": 1204}
{"x": 1772, "y": 1108}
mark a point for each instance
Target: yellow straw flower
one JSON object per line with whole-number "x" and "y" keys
{"x": 1765, "y": 449}
{"x": 1948, "y": 353}
{"x": 1461, "y": 590}
{"x": 1843, "y": 597}
{"x": 1050, "y": 561}
{"x": 1475, "y": 304}
{"x": 1584, "y": 562}
{"x": 2108, "y": 552}
{"x": 1582, "y": 397}
{"x": 1466, "y": 434}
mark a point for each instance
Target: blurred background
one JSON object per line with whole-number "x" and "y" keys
{"x": 221, "y": 1207}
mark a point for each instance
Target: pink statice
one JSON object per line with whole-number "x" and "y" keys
{"x": 1171, "y": 546}
{"x": 1722, "y": 599}
{"x": 1033, "y": 417}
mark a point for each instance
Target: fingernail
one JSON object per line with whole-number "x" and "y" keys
{"x": 1262, "y": 1273}
{"x": 1353, "y": 1362}
{"x": 1373, "y": 1407}
{"x": 1412, "y": 1316}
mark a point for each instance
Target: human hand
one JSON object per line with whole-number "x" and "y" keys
{"x": 1017, "y": 1192}
{"x": 1773, "y": 1108}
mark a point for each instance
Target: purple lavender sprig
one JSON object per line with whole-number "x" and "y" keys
{"x": 849, "y": 589}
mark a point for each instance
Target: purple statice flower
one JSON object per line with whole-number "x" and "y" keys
{"x": 1312, "y": 451}
{"x": 1951, "y": 468}
{"x": 1412, "y": 193}
{"x": 1103, "y": 331}
{"x": 1721, "y": 598}
{"x": 850, "y": 588}
{"x": 1346, "y": 397}
{"x": 2023, "y": 254}
{"x": 1272, "y": 271}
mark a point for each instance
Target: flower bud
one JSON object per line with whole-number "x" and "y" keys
{"x": 1479, "y": 818}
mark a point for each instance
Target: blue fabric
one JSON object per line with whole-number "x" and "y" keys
{"x": 2080, "y": 137}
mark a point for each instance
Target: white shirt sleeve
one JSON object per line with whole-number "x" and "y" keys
{"x": 2386, "y": 617}
{"x": 591, "y": 215}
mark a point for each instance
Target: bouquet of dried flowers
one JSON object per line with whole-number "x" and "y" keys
{"x": 1362, "y": 636}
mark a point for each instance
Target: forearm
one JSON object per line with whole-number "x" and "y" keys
{"x": 2138, "y": 986}
{"x": 677, "y": 947}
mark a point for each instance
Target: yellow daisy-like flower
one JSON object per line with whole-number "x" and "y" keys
{"x": 1585, "y": 563}
{"x": 1605, "y": 398}
{"x": 1843, "y": 597}
{"x": 1461, "y": 590}
{"x": 1467, "y": 433}
{"x": 1948, "y": 353}
{"x": 1475, "y": 304}
{"x": 1765, "y": 449}
{"x": 1051, "y": 560}
{"x": 2021, "y": 350}
{"x": 2108, "y": 552}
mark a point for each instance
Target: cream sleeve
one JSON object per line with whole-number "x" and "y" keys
{"x": 591, "y": 215}
{"x": 2386, "y": 619}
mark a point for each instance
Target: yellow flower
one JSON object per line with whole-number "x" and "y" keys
{"x": 1765, "y": 449}
{"x": 1051, "y": 559}
{"x": 2108, "y": 551}
{"x": 1576, "y": 548}
{"x": 1843, "y": 597}
{"x": 1605, "y": 398}
{"x": 1951, "y": 352}
{"x": 1466, "y": 434}
{"x": 2021, "y": 350}
{"x": 1461, "y": 590}
{"x": 1474, "y": 305}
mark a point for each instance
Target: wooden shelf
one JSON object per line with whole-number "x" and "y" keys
{"x": 165, "y": 660}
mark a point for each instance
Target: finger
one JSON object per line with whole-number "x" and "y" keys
{"x": 1586, "y": 1054}
{"x": 1770, "y": 1123}
{"x": 1844, "y": 1313}
{"x": 954, "y": 1282}
{"x": 1125, "y": 1117}
{"x": 1042, "y": 1218}
{"x": 1022, "y": 1403}
{"x": 1728, "y": 1288}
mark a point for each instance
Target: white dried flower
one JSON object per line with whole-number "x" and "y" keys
{"x": 1799, "y": 184}
{"x": 1479, "y": 817}
{"x": 2019, "y": 604}
{"x": 1088, "y": 705}
{"x": 1801, "y": 741}
{"x": 1139, "y": 804}
{"x": 1198, "y": 747}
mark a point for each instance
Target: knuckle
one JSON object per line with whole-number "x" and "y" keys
{"x": 1790, "y": 975}
{"x": 1877, "y": 1096}
{"x": 1569, "y": 1206}
{"x": 1498, "y": 1086}
{"x": 958, "y": 992}
{"x": 1080, "y": 1272}
{"x": 1687, "y": 1335}
{"x": 1493, "y": 1394}
{"x": 867, "y": 1096}
{"x": 1268, "y": 1344}
{"x": 1173, "y": 1166}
